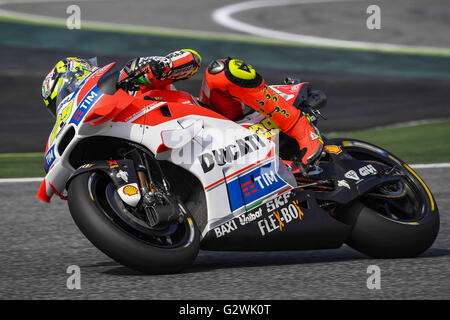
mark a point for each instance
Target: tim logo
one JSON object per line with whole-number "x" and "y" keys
{"x": 263, "y": 180}
{"x": 266, "y": 179}
{"x": 254, "y": 185}
{"x": 87, "y": 102}
{"x": 248, "y": 188}
{"x": 49, "y": 158}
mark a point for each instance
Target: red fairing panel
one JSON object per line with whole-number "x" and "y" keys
{"x": 290, "y": 89}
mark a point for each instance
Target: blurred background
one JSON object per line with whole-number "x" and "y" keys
{"x": 373, "y": 77}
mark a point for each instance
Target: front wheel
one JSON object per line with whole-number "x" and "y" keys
{"x": 394, "y": 221}
{"x": 126, "y": 238}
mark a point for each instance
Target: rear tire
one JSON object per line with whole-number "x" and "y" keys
{"x": 119, "y": 244}
{"x": 382, "y": 235}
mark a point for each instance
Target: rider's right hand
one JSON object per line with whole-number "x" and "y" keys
{"x": 158, "y": 68}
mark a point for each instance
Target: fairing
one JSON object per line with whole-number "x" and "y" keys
{"x": 235, "y": 182}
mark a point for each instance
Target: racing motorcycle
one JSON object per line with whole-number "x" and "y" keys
{"x": 150, "y": 180}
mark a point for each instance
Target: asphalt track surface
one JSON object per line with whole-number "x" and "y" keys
{"x": 409, "y": 22}
{"x": 40, "y": 241}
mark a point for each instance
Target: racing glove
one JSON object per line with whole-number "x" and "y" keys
{"x": 178, "y": 65}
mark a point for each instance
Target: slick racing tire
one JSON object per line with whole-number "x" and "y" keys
{"x": 391, "y": 227}
{"x": 146, "y": 252}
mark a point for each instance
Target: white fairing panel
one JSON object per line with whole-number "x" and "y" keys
{"x": 237, "y": 168}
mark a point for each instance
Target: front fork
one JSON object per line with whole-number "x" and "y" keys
{"x": 143, "y": 172}
{"x": 158, "y": 203}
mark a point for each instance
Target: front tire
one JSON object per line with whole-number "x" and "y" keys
{"x": 98, "y": 223}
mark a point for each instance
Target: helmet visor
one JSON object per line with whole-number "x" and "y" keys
{"x": 72, "y": 79}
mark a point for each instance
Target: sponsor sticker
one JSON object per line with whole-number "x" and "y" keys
{"x": 366, "y": 170}
{"x": 112, "y": 164}
{"x": 88, "y": 101}
{"x": 265, "y": 128}
{"x": 343, "y": 183}
{"x": 333, "y": 149}
{"x": 230, "y": 153}
{"x": 122, "y": 175}
{"x": 130, "y": 194}
{"x": 49, "y": 158}
{"x": 225, "y": 228}
{"x": 274, "y": 215}
{"x": 130, "y": 190}
{"x": 352, "y": 175}
{"x": 279, "y": 218}
{"x": 254, "y": 185}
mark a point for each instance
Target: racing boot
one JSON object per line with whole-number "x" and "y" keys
{"x": 244, "y": 84}
{"x": 308, "y": 138}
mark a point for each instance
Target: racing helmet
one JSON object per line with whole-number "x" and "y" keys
{"x": 63, "y": 79}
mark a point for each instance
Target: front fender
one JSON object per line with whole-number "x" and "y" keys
{"x": 122, "y": 173}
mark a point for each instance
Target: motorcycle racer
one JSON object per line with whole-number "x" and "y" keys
{"x": 229, "y": 84}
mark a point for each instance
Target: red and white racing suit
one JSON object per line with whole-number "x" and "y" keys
{"x": 227, "y": 86}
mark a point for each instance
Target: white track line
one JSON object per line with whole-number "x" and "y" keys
{"x": 414, "y": 166}
{"x": 430, "y": 165}
{"x": 223, "y": 17}
{"x": 15, "y": 180}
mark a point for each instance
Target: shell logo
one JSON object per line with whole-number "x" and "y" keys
{"x": 333, "y": 149}
{"x": 130, "y": 190}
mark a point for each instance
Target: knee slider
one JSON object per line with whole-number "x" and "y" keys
{"x": 242, "y": 74}
{"x": 237, "y": 72}
{"x": 216, "y": 66}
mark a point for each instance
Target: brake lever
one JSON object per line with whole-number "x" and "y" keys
{"x": 125, "y": 82}
{"x": 320, "y": 114}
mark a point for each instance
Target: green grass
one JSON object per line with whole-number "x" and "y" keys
{"x": 426, "y": 143}
{"x": 18, "y": 165}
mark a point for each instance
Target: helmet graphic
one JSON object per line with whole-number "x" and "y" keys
{"x": 63, "y": 79}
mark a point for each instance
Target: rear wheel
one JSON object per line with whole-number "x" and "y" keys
{"x": 399, "y": 220}
{"x": 125, "y": 235}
